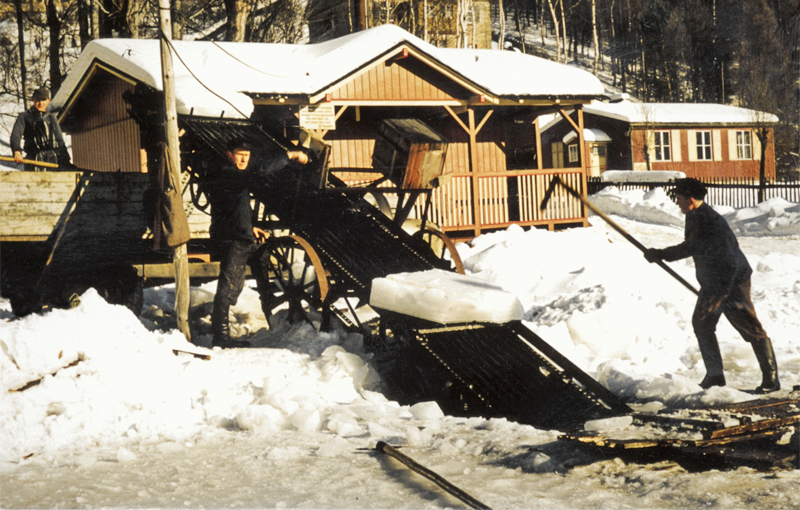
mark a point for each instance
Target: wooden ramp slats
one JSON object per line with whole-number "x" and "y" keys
{"x": 759, "y": 439}
{"x": 511, "y": 378}
{"x": 751, "y": 417}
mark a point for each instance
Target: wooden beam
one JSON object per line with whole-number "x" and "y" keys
{"x": 584, "y": 164}
{"x": 569, "y": 119}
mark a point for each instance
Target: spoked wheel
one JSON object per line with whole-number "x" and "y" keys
{"x": 441, "y": 245}
{"x": 299, "y": 279}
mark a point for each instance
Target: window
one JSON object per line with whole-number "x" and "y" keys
{"x": 744, "y": 146}
{"x": 573, "y": 153}
{"x": 703, "y": 145}
{"x": 662, "y": 146}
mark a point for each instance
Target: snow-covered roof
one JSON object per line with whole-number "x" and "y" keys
{"x": 589, "y": 135}
{"x": 677, "y": 113}
{"x": 237, "y": 71}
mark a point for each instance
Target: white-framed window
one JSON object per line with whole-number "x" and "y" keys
{"x": 704, "y": 152}
{"x": 662, "y": 145}
{"x": 573, "y": 153}
{"x": 744, "y": 145}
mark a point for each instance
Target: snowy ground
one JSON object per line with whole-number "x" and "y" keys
{"x": 290, "y": 423}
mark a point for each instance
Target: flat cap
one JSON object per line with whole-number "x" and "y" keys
{"x": 689, "y": 187}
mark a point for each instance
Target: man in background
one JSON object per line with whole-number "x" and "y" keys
{"x": 724, "y": 276}
{"x": 41, "y": 133}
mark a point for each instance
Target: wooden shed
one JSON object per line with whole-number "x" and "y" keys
{"x": 484, "y": 102}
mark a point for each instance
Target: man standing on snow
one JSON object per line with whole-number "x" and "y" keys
{"x": 724, "y": 276}
{"x": 41, "y": 132}
{"x": 235, "y": 239}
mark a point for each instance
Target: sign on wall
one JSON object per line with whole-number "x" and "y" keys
{"x": 318, "y": 116}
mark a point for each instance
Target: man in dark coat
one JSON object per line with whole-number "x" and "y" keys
{"x": 724, "y": 276}
{"x": 41, "y": 132}
{"x": 235, "y": 239}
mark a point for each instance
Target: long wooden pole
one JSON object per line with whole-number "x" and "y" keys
{"x": 180, "y": 256}
{"x": 430, "y": 475}
{"x": 558, "y": 182}
{"x": 30, "y": 162}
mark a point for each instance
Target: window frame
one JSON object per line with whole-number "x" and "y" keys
{"x": 704, "y": 145}
{"x": 741, "y": 146}
{"x": 574, "y": 155}
{"x": 662, "y": 149}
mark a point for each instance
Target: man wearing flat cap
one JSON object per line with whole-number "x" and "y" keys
{"x": 724, "y": 276}
{"x": 41, "y": 133}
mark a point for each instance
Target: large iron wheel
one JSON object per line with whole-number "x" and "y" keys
{"x": 441, "y": 245}
{"x": 299, "y": 279}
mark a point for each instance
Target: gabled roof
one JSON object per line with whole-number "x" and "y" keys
{"x": 678, "y": 113}
{"x": 236, "y": 71}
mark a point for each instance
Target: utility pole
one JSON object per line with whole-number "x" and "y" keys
{"x": 180, "y": 257}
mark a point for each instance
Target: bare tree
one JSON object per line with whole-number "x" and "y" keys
{"x": 645, "y": 144}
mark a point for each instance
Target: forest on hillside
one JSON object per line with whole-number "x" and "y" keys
{"x": 739, "y": 52}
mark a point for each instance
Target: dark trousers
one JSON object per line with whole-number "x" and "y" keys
{"x": 739, "y": 310}
{"x": 235, "y": 256}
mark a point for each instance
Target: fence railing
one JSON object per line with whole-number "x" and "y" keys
{"x": 470, "y": 202}
{"x": 733, "y": 192}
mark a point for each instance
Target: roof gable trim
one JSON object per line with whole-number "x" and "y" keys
{"x": 404, "y": 50}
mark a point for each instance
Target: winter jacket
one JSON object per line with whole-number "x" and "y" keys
{"x": 709, "y": 240}
{"x": 41, "y": 133}
{"x": 229, "y": 196}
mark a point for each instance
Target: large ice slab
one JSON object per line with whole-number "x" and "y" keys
{"x": 445, "y": 297}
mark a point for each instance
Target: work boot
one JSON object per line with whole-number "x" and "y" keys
{"x": 712, "y": 380}
{"x": 769, "y": 366}
{"x": 221, "y": 329}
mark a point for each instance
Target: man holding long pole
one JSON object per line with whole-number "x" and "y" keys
{"x": 724, "y": 276}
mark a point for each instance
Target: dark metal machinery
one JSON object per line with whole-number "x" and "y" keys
{"x": 329, "y": 243}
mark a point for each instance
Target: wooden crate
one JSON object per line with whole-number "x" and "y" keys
{"x": 409, "y": 153}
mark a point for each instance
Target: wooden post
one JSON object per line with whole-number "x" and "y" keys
{"x": 180, "y": 257}
{"x": 584, "y": 162}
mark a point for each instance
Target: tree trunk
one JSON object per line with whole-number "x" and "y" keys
{"x": 85, "y": 21}
{"x": 54, "y": 49}
{"x": 501, "y": 15}
{"x": 563, "y": 30}
{"x": 554, "y": 16}
{"x": 595, "y": 38}
{"x": 177, "y": 20}
{"x": 23, "y": 71}
{"x": 519, "y": 27}
{"x": 762, "y": 135}
{"x": 237, "y": 12}
{"x": 95, "y": 23}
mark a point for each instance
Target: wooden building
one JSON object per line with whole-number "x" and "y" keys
{"x": 484, "y": 102}
{"x": 700, "y": 140}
